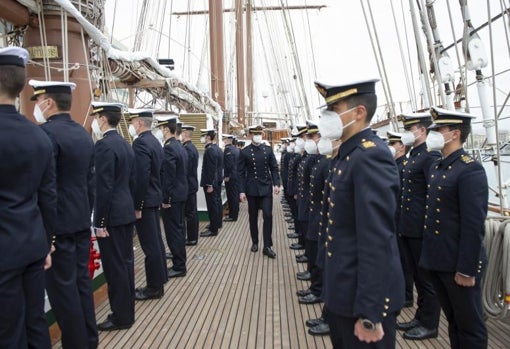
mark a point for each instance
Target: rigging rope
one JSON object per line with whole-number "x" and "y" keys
{"x": 496, "y": 281}
{"x": 380, "y": 61}
{"x": 44, "y": 42}
{"x": 311, "y": 48}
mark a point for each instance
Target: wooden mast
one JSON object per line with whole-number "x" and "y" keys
{"x": 216, "y": 49}
{"x": 240, "y": 62}
{"x": 249, "y": 62}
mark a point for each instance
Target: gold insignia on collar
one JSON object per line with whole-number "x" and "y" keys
{"x": 368, "y": 144}
{"x": 405, "y": 162}
{"x": 466, "y": 159}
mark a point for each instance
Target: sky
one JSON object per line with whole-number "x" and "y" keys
{"x": 332, "y": 45}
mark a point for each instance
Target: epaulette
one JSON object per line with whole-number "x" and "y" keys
{"x": 368, "y": 144}
{"x": 466, "y": 159}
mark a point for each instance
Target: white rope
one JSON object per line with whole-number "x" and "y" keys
{"x": 496, "y": 282}
{"x": 65, "y": 45}
{"x": 44, "y": 42}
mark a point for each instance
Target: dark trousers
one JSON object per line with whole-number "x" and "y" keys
{"x": 294, "y": 211}
{"x": 316, "y": 279}
{"x": 190, "y": 212}
{"x": 301, "y": 229}
{"x": 219, "y": 205}
{"x": 462, "y": 307}
{"x": 429, "y": 308}
{"x": 232, "y": 198}
{"x": 173, "y": 221}
{"x": 22, "y": 320}
{"x": 213, "y": 209}
{"x": 149, "y": 234}
{"x": 264, "y": 203}
{"x": 342, "y": 333}
{"x": 405, "y": 260}
{"x": 118, "y": 266}
{"x": 70, "y": 290}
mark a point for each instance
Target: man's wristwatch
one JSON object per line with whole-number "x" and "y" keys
{"x": 367, "y": 324}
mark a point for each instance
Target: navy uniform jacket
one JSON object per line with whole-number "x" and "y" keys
{"x": 219, "y": 158}
{"x": 28, "y": 197}
{"x": 293, "y": 174}
{"x": 414, "y": 189}
{"x": 258, "y": 170}
{"x": 401, "y": 163}
{"x": 192, "y": 166}
{"x": 73, "y": 150}
{"x": 284, "y": 167}
{"x": 318, "y": 176}
{"x": 305, "y": 169}
{"x": 210, "y": 166}
{"x": 148, "y": 158}
{"x": 455, "y": 216}
{"x": 363, "y": 275}
{"x": 174, "y": 172}
{"x": 231, "y": 159}
{"x": 115, "y": 181}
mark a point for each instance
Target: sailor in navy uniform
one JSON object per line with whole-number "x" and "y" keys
{"x": 231, "y": 177}
{"x": 298, "y": 188}
{"x": 174, "y": 185}
{"x": 412, "y": 215}
{"x": 398, "y": 149}
{"x": 28, "y": 213}
{"x": 148, "y": 159}
{"x": 190, "y": 207}
{"x": 68, "y": 281}
{"x": 209, "y": 180}
{"x": 258, "y": 172}
{"x": 455, "y": 215}
{"x": 284, "y": 164}
{"x": 310, "y": 197}
{"x": 363, "y": 282}
{"x": 114, "y": 214}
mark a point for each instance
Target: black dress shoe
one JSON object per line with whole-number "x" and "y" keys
{"x": 321, "y": 329}
{"x": 268, "y": 251}
{"x": 405, "y": 326}
{"x": 191, "y": 242}
{"x": 254, "y": 248}
{"x": 408, "y": 304}
{"x": 293, "y": 235}
{"x": 296, "y": 246}
{"x": 302, "y": 293}
{"x": 291, "y": 227}
{"x": 309, "y": 299}
{"x": 144, "y": 293}
{"x": 208, "y": 233}
{"x": 419, "y": 333}
{"x": 304, "y": 276}
{"x": 172, "y": 273}
{"x": 169, "y": 255}
{"x": 108, "y": 325}
{"x": 314, "y": 322}
{"x": 302, "y": 259}
{"x": 229, "y": 219}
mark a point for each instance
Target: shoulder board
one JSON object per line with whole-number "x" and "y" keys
{"x": 466, "y": 159}
{"x": 368, "y": 144}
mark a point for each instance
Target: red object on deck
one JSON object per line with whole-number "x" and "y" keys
{"x": 94, "y": 256}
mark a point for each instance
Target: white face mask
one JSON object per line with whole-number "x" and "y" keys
{"x": 96, "y": 129}
{"x": 298, "y": 149}
{"x": 311, "y": 147}
{"x": 300, "y": 142}
{"x": 325, "y": 146}
{"x": 159, "y": 135}
{"x": 291, "y": 148}
{"x": 408, "y": 138}
{"x": 257, "y": 139}
{"x": 435, "y": 140}
{"x": 331, "y": 125}
{"x": 132, "y": 131}
{"x": 392, "y": 150}
{"x": 202, "y": 139}
{"x": 39, "y": 114}
{"x": 180, "y": 138}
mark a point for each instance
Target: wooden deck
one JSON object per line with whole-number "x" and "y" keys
{"x": 233, "y": 298}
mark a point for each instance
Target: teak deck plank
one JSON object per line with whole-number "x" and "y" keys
{"x": 233, "y": 298}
